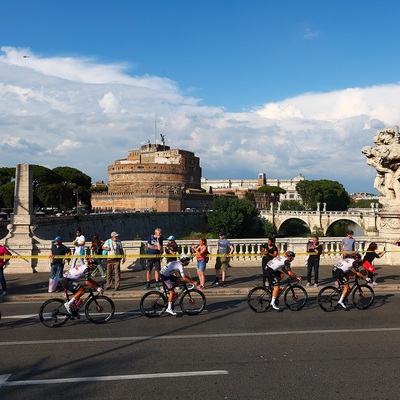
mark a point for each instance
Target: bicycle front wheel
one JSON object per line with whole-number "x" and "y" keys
{"x": 363, "y": 297}
{"x": 295, "y": 297}
{"x": 99, "y": 309}
{"x": 259, "y": 299}
{"x": 153, "y": 304}
{"x": 53, "y": 314}
{"x": 328, "y": 298}
{"x": 193, "y": 302}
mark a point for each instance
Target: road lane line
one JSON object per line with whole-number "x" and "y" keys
{"x": 4, "y": 382}
{"x": 199, "y": 336}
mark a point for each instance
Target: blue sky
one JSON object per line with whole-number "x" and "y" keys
{"x": 282, "y": 87}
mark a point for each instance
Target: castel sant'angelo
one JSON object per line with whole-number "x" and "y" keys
{"x": 153, "y": 177}
{"x": 156, "y": 177}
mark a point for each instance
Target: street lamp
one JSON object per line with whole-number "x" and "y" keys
{"x": 75, "y": 191}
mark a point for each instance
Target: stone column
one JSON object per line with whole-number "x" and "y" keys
{"x": 19, "y": 239}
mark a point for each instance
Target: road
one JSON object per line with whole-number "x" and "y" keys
{"x": 228, "y": 352}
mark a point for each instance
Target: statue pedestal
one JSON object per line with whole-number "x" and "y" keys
{"x": 389, "y": 228}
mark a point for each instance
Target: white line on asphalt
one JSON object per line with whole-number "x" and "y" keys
{"x": 4, "y": 378}
{"x": 198, "y": 336}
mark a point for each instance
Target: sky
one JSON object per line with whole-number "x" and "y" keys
{"x": 285, "y": 87}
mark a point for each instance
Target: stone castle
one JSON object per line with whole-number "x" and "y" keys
{"x": 156, "y": 177}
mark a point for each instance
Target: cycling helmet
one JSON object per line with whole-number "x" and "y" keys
{"x": 184, "y": 258}
{"x": 358, "y": 256}
{"x": 290, "y": 254}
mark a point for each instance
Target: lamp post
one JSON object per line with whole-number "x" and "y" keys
{"x": 77, "y": 199}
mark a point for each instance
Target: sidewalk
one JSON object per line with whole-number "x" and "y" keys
{"x": 33, "y": 286}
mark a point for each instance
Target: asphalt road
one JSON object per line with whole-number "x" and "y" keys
{"x": 228, "y": 352}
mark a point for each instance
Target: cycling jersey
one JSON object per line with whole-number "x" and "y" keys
{"x": 346, "y": 264}
{"x": 173, "y": 267}
{"x": 78, "y": 272}
{"x": 278, "y": 263}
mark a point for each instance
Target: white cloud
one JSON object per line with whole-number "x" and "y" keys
{"x": 74, "y": 111}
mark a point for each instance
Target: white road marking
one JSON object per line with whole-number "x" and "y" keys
{"x": 198, "y": 336}
{"x": 4, "y": 378}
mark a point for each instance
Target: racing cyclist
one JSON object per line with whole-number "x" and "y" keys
{"x": 71, "y": 278}
{"x": 347, "y": 269}
{"x": 274, "y": 275}
{"x": 170, "y": 280}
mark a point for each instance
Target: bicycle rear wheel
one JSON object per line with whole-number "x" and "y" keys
{"x": 193, "y": 302}
{"x": 328, "y": 298}
{"x": 99, "y": 309}
{"x": 153, "y": 304}
{"x": 259, "y": 299}
{"x": 53, "y": 314}
{"x": 363, "y": 297}
{"x": 295, "y": 297}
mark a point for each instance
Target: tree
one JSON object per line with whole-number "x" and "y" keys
{"x": 236, "y": 217}
{"x": 7, "y": 195}
{"x": 323, "y": 191}
{"x": 291, "y": 205}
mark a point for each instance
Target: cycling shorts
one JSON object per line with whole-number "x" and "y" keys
{"x": 169, "y": 281}
{"x": 72, "y": 286}
{"x": 273, "y": 276}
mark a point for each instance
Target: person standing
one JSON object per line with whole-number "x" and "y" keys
{"x": 3, "y": 263}
{"x": 58, "y": 253}
{"x": 116, "y": 256}
{"x": 154, "y": 248}
{"x": 368, "y": 259}
{"x": 96, "y": 250}
{"x": 348, "y": 245}
{"x": 79, "y": 250}
{"x": 201, "y": 252}
{"x": 268, "y": 251}
{"x": 314, "y": 251}
{"x": 225, "y": 249}
{"x": 171, "y": 249}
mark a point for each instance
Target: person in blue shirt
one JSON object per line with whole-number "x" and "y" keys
{"x": 225, "y": 249}
{"x": 155, "y": 249}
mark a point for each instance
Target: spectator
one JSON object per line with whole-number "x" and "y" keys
{"x": 58, "y": 254}
{"x": 224, "y": 248}
{"x": 3, "y": 263}
{"x": 96, "y": 250}
{"x": 348, "y": 245}
{"x": 201, "y": 252}
{"x": 171, "y": 249}
{"x": 368, "y": 259}
{"x": 79, "y": 250}
{"x": 154, "y": 248}
{"x": 116, "y": 256}
{"x": 268, "y": 251}
{"x": 314, "y": 251}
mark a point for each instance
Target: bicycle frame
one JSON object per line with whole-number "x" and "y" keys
{"x": 181, "y": 289}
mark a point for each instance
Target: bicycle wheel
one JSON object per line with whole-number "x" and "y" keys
{"x": 99, "y": 309}
{"x": 153, "y": 304}
{"x": 259, "y": 299}
{"x": 363, "y": 297}
{"x": 53, "y": 314}
{"x": 193, "y": 302}
{"x": 328, "y": 298}
{"x": 295, "y": 297}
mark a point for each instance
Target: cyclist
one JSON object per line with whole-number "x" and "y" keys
{"x": 170, "y": 280}
{"x": 71, "y": 278}
{"x": 347, "y": 269}
{"x": 274, "y": 275}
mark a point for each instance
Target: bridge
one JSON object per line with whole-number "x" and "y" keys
{"x": 367, "y": 218}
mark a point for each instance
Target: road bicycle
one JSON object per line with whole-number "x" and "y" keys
{"x": 294, "y": 296}
{"x": 99, "y": 309}
{"x": 362, "y": 296}
{"x": 191, "y": 301}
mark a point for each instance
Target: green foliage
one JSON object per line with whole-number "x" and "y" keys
{"x": 7, "y": 174}
{"x": 323, "y": 191}
{"x": 292, "y": 205}
{"x": 268, "y": 228}
{"x": 364, "y": 203}
{"x": 238, "y": 218}
{"x": 271, "y": 189}
{"x": 7, "y": 195}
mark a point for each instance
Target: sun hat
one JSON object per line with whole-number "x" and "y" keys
{"x": 114, "y": 234}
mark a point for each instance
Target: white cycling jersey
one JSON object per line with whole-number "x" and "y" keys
{"x": 173, "y": 267}
{"x": 278, "y": 263}
{"x": 346, "y": 264}
{"x": 78, "y": 272}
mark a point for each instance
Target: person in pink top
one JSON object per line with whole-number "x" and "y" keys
{"x": 3, "y": 262}
{"x": 201, "y": 252}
